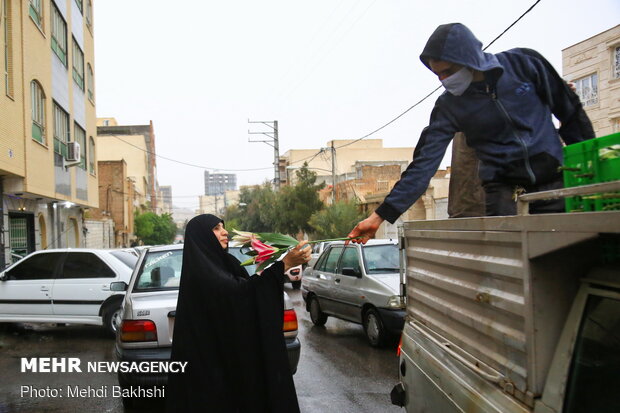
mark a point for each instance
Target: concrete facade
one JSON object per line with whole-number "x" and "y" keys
{"x": 43, "y": 195}
{"x": 594, "y": 66}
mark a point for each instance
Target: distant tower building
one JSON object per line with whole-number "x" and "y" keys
{"x": 166, "y": 195}
{"x": 218, "y": 184}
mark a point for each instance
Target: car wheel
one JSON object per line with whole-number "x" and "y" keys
{"x": 374, "y": 329}
{"x": 112, "y": 318}
{"x": 296, "y": 285}
{"x": 318, "y": 317}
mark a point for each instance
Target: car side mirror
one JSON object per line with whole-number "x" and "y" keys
{"x": 3, "y": 276}
{"x": 352, "y": 272}
{"x": 118, "y": 286}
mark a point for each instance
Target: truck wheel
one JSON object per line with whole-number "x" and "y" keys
{"x": 296, "y": 285}
{"x": 318, "y": 317}
{"x": 373, "y": 326}
{"x": 112, "y": 317}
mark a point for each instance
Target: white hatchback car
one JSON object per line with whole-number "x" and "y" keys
{"x": 69, "y": 285}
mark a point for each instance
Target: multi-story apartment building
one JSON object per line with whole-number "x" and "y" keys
{"x": 593, "y": 65}
{"x": 218, "y": 184}
{"x": 135, "y": 144}
{"x": 47, "y": 109}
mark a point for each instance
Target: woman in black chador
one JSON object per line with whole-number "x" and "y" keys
{"x": 228, "y": 328}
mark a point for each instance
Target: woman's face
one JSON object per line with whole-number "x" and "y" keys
{"x": 221, "y": 234}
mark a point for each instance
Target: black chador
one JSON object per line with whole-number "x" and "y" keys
{"x": 228, "y": 328}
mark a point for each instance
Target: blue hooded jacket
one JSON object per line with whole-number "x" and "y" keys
{"x": 507, "y": 118}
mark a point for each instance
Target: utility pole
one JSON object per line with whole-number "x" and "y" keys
{"x": 274, "y": 143}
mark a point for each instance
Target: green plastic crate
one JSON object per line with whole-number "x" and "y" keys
{"x": 591, "y": 162}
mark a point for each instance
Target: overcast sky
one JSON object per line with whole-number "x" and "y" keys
{"x": 325, "y": 69}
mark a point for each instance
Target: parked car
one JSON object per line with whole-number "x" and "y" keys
{"x": 317, "y": 250}
{"x": 293, "y": 275}
{"x": 69, "y": 285}
{"x": 358, "y": 283}
{"x": 149, "y": 311}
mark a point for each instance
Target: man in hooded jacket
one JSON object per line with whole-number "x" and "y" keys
{"x": 503, "y": 103}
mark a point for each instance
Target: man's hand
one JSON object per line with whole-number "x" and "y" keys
{"x": 366, "y": 229}
{"x": 298, "y": 255}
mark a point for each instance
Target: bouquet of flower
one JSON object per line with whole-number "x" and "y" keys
{"x": 267, "y": 247}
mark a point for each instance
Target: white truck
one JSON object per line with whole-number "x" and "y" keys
{"x": 512, "y": 314}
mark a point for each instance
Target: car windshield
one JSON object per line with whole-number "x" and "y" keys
{"x": 126, "y": 258}
{"x": 236, "y": 252}
{"x": 161, "y": 270}
{"x": 380, "y": 259}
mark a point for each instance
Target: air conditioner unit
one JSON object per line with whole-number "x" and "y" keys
{"x": 73, "y": 152}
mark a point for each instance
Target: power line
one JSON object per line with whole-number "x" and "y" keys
{"x": 186, "y": 163}
{"x": 438, "y": 87}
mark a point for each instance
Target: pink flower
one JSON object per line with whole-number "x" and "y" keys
{"x": 264, "y": 251}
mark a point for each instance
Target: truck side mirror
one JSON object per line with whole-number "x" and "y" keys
{"x": 118, "y": 286}
{"x": 352, "y": 272}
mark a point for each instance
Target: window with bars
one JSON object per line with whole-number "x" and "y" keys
{"x": 90, "y": 81}
{"x": 91, "y": 155}
{"x": 61, "y": 130}
{"x": 59, "y": 35}
{"x": 80, "y": 137}
{"x": 36, "y": 12}
{"x": 587, "y": 89}
{"x": 7, "y": 30}
{"x": 616, "y": 63}
{"x": 78, "y": 65}
{"x": 38, "y": 111}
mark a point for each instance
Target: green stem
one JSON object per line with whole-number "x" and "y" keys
{"x": 333, "y": 239}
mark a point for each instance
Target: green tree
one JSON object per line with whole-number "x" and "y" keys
{"x": 336, "y": 220}
{"x": 153, "y": 229}
{"x": 296, "y": 204}
{"x": 256, "y": 211}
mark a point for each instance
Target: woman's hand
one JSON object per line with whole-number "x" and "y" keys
{"x": 298, "y": 255}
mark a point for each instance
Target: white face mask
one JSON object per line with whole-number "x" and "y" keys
{"x": 458, "y": 82}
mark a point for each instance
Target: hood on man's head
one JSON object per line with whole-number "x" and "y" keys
{"x": 455, "y": 43}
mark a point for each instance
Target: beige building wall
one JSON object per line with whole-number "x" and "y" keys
{"x": 132, "y": 149}
{"x": 599, "y": 56}
{"x": 30, "y": 180}
{"x": 345, "y": 158}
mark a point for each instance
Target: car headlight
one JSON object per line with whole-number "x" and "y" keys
{"x": 396, "y": 301}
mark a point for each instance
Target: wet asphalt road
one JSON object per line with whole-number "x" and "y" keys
{"x": 338, "y": 371}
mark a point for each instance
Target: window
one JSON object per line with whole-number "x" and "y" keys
{"x": 78, "y": 65}
{"x": 616, "y": 62}
{"x": 85, "y": 265}
{"x": 90, "y": 81}
{"x": 587, "y": 89}
{"x": 615, "y": 125}
{"x": 89, "y": 14}
{"x": 36, "y": 12}
{"x": 593, "y": 379}
{"x": 381, "y": 259}
{"x": 35, "y": 267}
{"x": 350, "y": 259}
{"x": 80, "y": 4}
{"x": 80, "y": 137}
{"x": 38, "y": 111}
{"x": 8, "y": 47}
{"x": 59, "y": 35}
{"x": 91, "y": 155}
{"x": 330, "y": 263}
{"x": 61, "y": 130}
